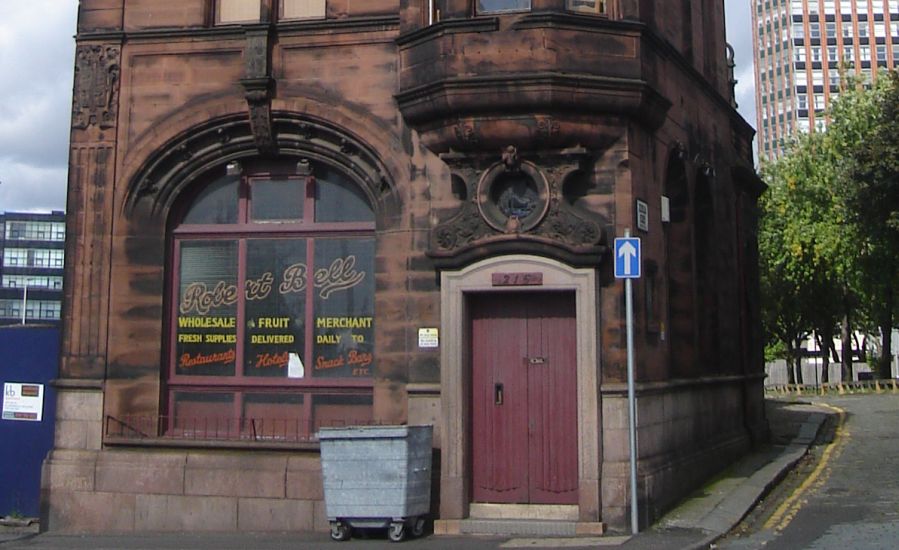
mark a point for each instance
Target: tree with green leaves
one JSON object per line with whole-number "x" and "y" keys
{"x": 867, "y": 125}
{"x": 829, "y": 232}
{"x": 803, "y": 248}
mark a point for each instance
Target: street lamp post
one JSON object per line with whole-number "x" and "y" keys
{"x": 24, "y": 302}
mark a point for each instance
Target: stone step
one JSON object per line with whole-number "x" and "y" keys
{"x": 514, "y": 528}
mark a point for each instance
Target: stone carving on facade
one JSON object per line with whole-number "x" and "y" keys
{"x": 96, "y": 92}
{"x": 224, "y": 136}
{"x": 548, "y": 128}
{"x": 258, "y": 89}
{"x": 261, "y": 123}
{"x": 307, "y": 131}
{"x": 510, "y": 159}
{"x": 464, "y": 229}
{"x": 481, "y": 221}
{"x": 563, "y": 222}
{"x": 731, "y": 68}
{"x": 466, "y": 133}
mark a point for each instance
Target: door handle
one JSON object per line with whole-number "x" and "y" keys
{"x": 497, "y": 394}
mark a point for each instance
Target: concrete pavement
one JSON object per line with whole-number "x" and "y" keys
{"x": 696, "y": 523}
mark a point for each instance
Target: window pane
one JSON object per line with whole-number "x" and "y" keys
{"x": 344, "y": 307}
{"x": 341, "y": 410}
{"x": 237, "y": 11}
{"x": 493, "y": 6}
{"x": 591, "y": 6}
{"x": 275, "y": 308}
{"x": 203, "y": 415}
{"x": 216, "y": 204}
{"x": 274, "y": 417}
{"x": 277, "y": 199}
{"x": 206, "y": 327}
{"x": 302, "y": 9}
{"x": 337, "y": 199}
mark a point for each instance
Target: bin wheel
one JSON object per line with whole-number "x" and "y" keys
{"x": 340, "y": 531}
{"x": 397, "y": 531}
{"x": 418, "y": 527}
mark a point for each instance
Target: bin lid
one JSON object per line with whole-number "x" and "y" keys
{"x": 370, "y": 432}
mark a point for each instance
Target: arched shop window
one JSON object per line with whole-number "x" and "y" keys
{"x": 272, "y": 305}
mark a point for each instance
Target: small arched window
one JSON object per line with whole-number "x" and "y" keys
{"x": 272, "y": 304}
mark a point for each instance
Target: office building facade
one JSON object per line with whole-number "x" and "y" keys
{"x": 805, "y": 49}
{"x": 31, "y": 267}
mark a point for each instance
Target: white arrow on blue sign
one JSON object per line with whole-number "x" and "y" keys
{"x": 627, "y": 258}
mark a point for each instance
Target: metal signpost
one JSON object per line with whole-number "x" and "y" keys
{"x": 627, "y": 267}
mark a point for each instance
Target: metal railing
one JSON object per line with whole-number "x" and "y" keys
{"x": 212, "y": 428}
{"x": 889, "y": 385}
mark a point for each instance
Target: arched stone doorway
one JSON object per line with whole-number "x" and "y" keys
{"x": 463, "y": 293}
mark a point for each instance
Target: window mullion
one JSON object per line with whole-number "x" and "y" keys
{"x": 243, "y": 200}
{"x": 310, "y": 305}
{"x": 241, "y": 306}
{"x": 173, "y": 315}
{"x": 309, "y": 200}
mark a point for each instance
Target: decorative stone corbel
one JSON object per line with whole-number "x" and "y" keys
{"x": 258, "y": 85}
{"x": 510, "y": 159}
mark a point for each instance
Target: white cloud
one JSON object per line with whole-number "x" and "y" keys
{"x": 37, "y": 60}
{"x": 37, "y": 63}
{"x": 26, "y": 187}
{"x": 739, "y": 35}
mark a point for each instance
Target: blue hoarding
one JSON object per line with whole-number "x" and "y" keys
{"x": 29, "y": 359}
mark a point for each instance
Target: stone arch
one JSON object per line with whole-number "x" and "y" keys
{"x": 679, "y": 268}
{"x": 178, "y": 163}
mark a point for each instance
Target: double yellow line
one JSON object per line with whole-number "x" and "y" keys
{"x": 785, "y": 513}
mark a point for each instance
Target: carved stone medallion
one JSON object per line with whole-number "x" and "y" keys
{"x": 515, "y": 205}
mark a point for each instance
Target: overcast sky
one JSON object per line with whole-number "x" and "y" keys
{"x": 36, "y": 63}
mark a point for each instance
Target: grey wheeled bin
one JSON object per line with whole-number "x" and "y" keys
{"x": 377, "y": 476}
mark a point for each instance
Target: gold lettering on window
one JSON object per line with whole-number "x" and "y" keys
{"x": 340, "y": 275}
{"x": 294, "y": 279}
{"x": 198, "y": 296}
{"x": 258, "y": 289}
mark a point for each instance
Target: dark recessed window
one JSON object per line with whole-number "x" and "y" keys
{"x": 501, "y": 6}
{"x": 586, "y": 6}
{"x": 276, "y": 199}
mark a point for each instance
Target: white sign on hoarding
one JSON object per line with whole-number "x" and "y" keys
{"x": 23, "y": 401}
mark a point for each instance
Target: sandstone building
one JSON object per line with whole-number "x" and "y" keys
{"x": 289, "y": 214}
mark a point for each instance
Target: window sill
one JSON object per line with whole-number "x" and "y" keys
{"x": 175, "y": 443}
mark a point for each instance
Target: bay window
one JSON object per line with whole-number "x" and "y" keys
{"x": 237, "y": 11}
{"x": 587, "y": 6}
{"x": 500, "y": 6}
{"x": 302, "y": 9}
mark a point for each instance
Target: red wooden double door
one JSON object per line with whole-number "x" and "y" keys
{"x": 524, "y": 398}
